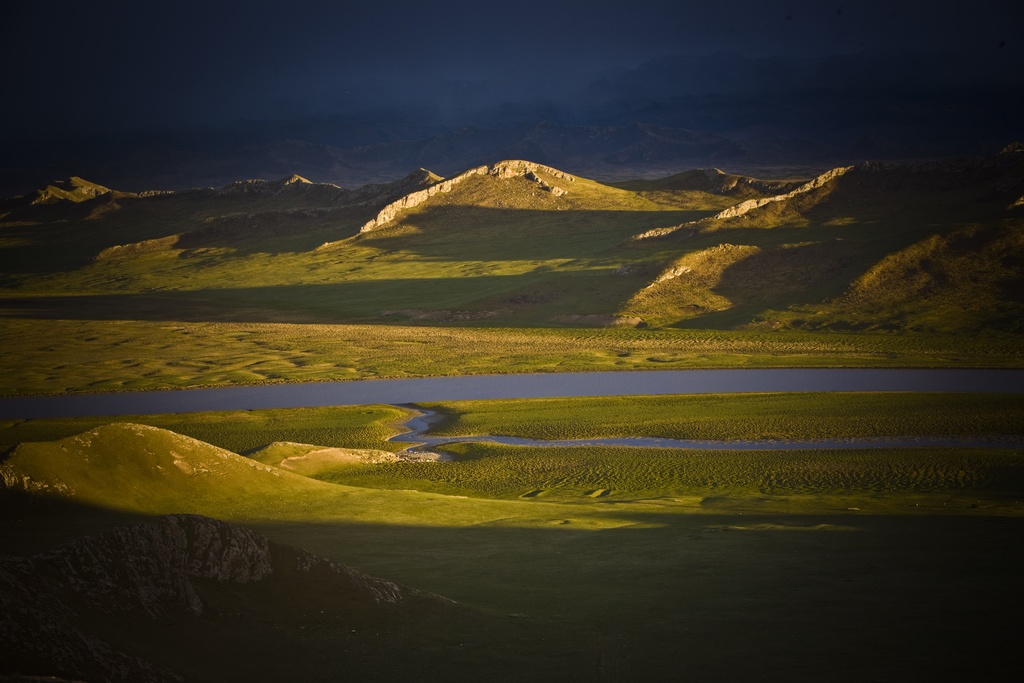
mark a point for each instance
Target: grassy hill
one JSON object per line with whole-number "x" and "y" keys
{"x": 294, "y": 250}
{"x": 933, "y": 248}
{"x": 870, "y": 247}
{"x": 136, "y": 467}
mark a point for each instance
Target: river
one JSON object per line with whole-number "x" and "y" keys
{"x": 476, "y": 387}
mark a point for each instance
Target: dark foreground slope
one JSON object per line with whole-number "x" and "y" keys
{"x": 186, "y": 597}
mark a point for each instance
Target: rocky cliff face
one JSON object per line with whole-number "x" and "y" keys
{"x": 149, "y": 571}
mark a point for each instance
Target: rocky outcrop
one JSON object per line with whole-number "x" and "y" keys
{"x": 74, "y": 189}
{"x": 268, "y": 187}
{"x": 719, "y": 182}
{"x": 503, "y": 169}
{"x": 750, "y": 204}
{"x": 148, "y": 571}
{"x": 715, "y": 181}
{"x": 544, "y": 185}
{"x": 137, "y": 248}
{"x": 704, "y": 267}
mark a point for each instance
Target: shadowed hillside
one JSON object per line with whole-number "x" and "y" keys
{"x": 931, "y": 248}
{"x": 185, "y": 597}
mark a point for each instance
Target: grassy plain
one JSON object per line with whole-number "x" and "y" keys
{"x": 883, "y": 479}
{"x": 789, "y": 482}
{"x": 741, "y": 417}
{"x": 58, "y": 356}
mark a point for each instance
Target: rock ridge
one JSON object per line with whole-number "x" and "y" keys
{"x": 750, "y": 204}
{"x": 273, "y": 187}
{"x": 514, "y": 168}
{"x": 74, "y": 189}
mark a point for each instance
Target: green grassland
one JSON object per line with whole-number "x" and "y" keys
{"x": 797, "y": 560}
{"x": 610, "y": 473}
{"x": 875, "y": 481}
{"x": 605, "y": 473}
{"x": 238, "y": 431}
{"x": 56, "y": 356}
{"x": 740, "y": 417}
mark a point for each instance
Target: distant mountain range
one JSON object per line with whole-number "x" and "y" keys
{"x": 760, "y": 116}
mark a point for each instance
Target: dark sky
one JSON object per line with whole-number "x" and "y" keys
{"x": 83, "y": 66}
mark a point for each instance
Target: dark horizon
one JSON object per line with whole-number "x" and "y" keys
{"x": 206, "y": 93}
{"x": 109, "y": 67}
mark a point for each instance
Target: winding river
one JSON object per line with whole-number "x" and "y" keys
{"x": 419, "y": 440}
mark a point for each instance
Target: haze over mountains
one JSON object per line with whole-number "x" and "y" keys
{"x": 758, "y": 115}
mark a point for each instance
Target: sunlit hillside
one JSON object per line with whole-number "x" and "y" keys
{"x": 867, "y": 247}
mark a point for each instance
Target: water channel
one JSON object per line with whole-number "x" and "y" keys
{"x": 480, "y": 387}
{"x": 421, "y": 441}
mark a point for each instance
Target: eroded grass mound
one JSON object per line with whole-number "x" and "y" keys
{"x": 141, "y": 468}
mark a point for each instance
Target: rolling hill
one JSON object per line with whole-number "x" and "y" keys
{"x": 931, "y": 248}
